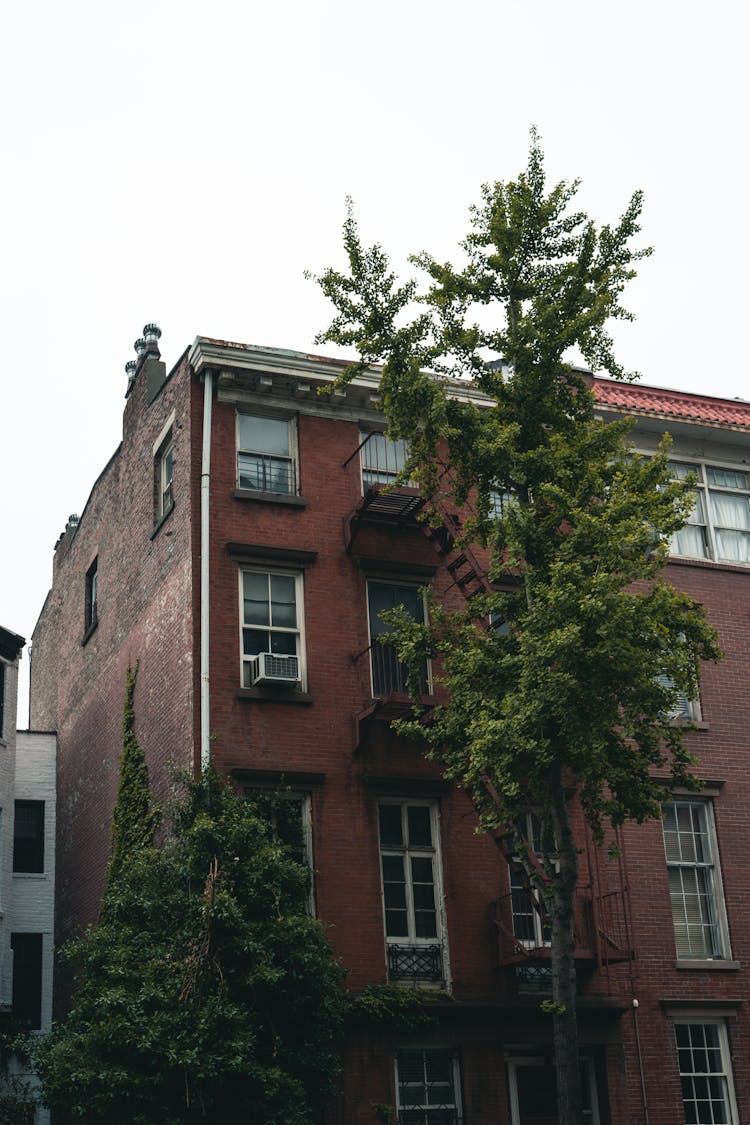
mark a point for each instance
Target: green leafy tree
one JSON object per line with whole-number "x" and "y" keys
{"x": 206, "y": 993}
{"x": 134, "y": 819}
{"x": 566, "y": 698}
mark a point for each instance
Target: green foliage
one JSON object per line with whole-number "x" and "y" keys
{"x": 206, "y": 993}
{"x": 567, "y": 694}
{"x": 393, "y": 1007}
{"x": 134, "y": 819}
{"x": 18, "y": 1099}
{"x": 571, "y": 682}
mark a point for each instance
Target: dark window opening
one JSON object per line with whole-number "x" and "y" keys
{"x": 92, "y": 596}
{"x": 28, "y": 837}
{"x": 27, "y": 978}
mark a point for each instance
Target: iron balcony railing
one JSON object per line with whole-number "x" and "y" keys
{"x": 415, "y": 962}
{"x": 389, "y": 675}
{"x": 263, "y": 472}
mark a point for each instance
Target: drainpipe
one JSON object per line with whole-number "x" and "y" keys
{"x": 205, "y": 696}
{"x": 640, "y": 1062}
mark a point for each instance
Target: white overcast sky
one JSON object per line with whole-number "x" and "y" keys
{"x": 185, "y": 162}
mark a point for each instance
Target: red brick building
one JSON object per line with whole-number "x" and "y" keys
{"x": 258, "y": 652}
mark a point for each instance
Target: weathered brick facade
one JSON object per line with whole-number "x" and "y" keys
{"x": 328, "y": 742}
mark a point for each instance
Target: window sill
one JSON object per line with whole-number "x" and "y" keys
{"x": 708, "y": 965}
{"x": 270, "y": 497}
{"x": 273, "y": 695}
{"x": 30, "y": 875}
{"x": 710, "y": 564}
{"x": 161, "y": 521}
{"x": 89, "y": 632}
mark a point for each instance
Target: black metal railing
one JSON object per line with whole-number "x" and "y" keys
{"x": 415, "y": 962}
{"x": 389, "y": 674}
{"x": 263, "y": 472}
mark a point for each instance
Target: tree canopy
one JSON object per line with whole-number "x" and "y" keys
{"x": 206, "y": 992}
{"x": 562, "y": 674}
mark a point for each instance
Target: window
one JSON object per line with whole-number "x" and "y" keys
{"x": 265, "y": 460}
{"x": 695, "y": 880}
{"x": 91, "y": 616}
{"x": 289, "y": 815}
{"x": 271, "y": 618}
{"x": 532, "y": 1088}
{"x": 429, "y": 1087}
{"x": 388, "y": 673}
{"x": 685, "y": 710}
{"x": 27, "y": 978}
{"x": 705, "y": 1073}
{"x": 530, "y": 922}
{"x": 382, "y": 459}
{"x": 719, "y": 525}
{"x": 410, "y": 864}
{"x": 163, "y": 477}
{"x": 499, "y": 502}
{"x": 28, "y": 837}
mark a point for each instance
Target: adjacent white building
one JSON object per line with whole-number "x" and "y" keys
{"x": 27, "y": 857}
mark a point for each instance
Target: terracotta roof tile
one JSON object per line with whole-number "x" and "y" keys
{"x": 673, "y": 404}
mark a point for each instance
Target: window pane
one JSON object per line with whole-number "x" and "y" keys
{"x": 733, "y": 546}
{"x": 682, "y": 469}
{"x": 28, "y": 837}
{"x": 264, "y": 435}
{"x": 728, "y": 510}
{"x": 256, "y": 598}
{"x": 283, "y": 644}
{"x": 726, "y": 478}
{"x": 420, "y": 829}
{"x": 393, "y": 869}
{"x": 390, "y": 825}
{"x": 283, "y": 601}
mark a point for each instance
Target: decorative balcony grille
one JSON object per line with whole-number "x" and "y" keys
{"x": 263, "y": 472}
{"x": 534, "y": 978}
{"x": 415, "y": 962}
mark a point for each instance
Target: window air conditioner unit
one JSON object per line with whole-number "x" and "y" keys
{"x": 269, "y": 668}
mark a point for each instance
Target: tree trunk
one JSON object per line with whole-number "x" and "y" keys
{"x": 567, "y": 1063}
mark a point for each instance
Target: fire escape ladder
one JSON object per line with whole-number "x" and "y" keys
{"x": 610, "y": 909}
{"x": 467, "y": 573}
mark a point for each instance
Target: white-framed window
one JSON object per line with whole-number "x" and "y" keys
{"x": 705, "y": 1066}
{"x": 271, "y": 617}
{"x": 289, "y": 813}
{"x": 719, "y": 525}
{"x": 266, "y": 454}
{"x": 428, "y": 1087}
{"x": 695, "y": 886}
{"x": 412, "y": 889}
{"x": 531, "y": 925}
{"x": 389, "y": 674}
{"x": 381, "y": 458}
{"x": 163, "y": 477}
{"x": 499, "y": 502}
{"x": 532, "y": 1090}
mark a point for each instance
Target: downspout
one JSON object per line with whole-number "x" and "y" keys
{"x": 644, "y": 1099}
{"x": 205, "y": 695}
